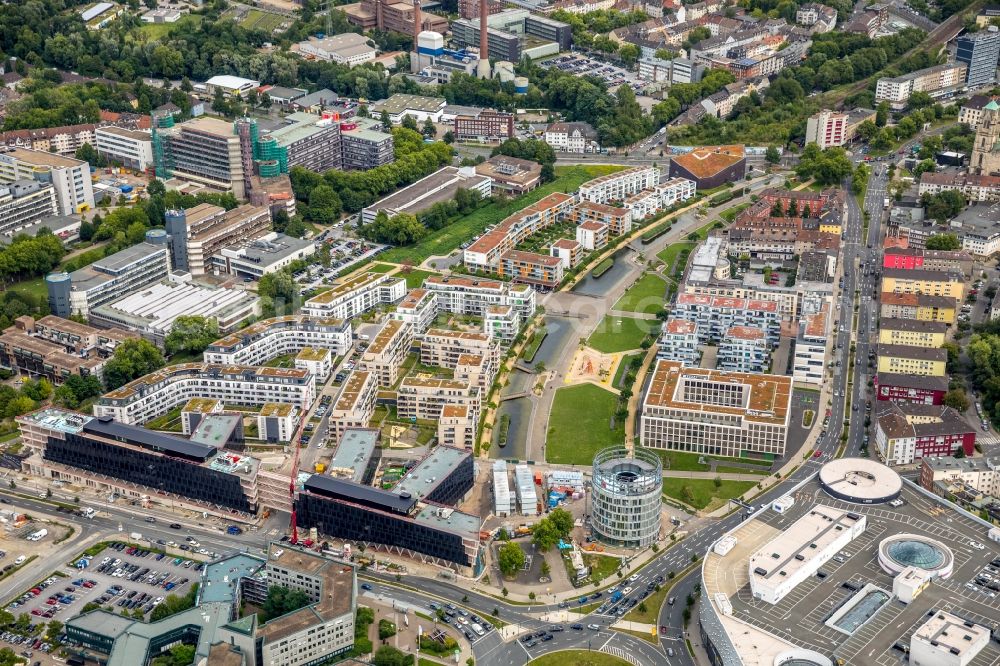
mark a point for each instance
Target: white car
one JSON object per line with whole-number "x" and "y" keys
{"x": 977, "y": 545}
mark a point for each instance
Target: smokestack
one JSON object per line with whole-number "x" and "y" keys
{"x": 417, "y": 21}
{"x": 483, "y": 67}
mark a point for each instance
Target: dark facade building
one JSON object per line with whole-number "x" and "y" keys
{"x": 710, "y": 166}
{"x": 486, "y": 127}
{"x": 503, "y": 45}
{"x": 910, "y": 388}
{"x": 363, "y": 146}
{"x": 546, "y": 28}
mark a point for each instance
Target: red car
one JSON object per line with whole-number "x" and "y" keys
{"x": 663, "y": 630}
{"x": 817, "y": 454}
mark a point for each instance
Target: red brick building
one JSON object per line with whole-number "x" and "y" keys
{"x": 487, "y": 127}
{"x": 910, "y": 388}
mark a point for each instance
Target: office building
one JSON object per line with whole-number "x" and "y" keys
{"x": 364, "y": 145}
{"x": 907, "y": 431}
{"x": 934, "y": 260}
{"x": 25, "y": 203}
{"x": 106, "y": 454}
{"x": 511, "y": 174}
{"x": 938, "y": 81}
{"x": 358, "y": 294}
{"x": 809, "y": 361}
{"x": 110, "y": 278}
{"x": 620, "y": 185}
{"x": 131, "y": 148}
{"x": 348, "y": 49}
{"x": 56, "y": 348}
{"x": 418, "y": 107}
{"x": 541, "y": 271}
{"x": 626, "y": 497}
{"x": 980, "y": 52}
{"x": 429, "y": 190}
{"x": 388, "y": 349}
{"x": 198, "y": 234}
{"x": 152, "y": 310}
{"x": 905, "y": 359}
{"x": 485, "y": 254}
{"x": 578, "y": 137}
{"x": 152, "y": 395}
{"x": 679, "y": 342}
{"x": 920, "y": 389}
{"x": 205, "y": 151}
{"x": 715, "y": 412}
{"x": 302, "y": 139}
{"x": 947, "y": 640}
{"x": 254, "y": 258}
{"x": 355, "y": 405}
{"x": 394, "y": 15}
{"x": 827, "y": 129}
{"x": 230, "y": 86}
{"x": 912, "y": 332}
{"x": 70, "y": 178}
{"x": 744, "y": 349}
{"x": 485, "y": 127}
{"x": 710, "y": 166}
{"x": 475, "y": 296}
{"x": 921, "y": 307}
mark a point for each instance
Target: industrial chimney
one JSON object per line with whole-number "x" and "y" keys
{"x": 483, "y": 67}
{"x": 417, "y": 21}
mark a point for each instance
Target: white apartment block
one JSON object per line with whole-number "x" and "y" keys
{"x": 131, "y": 148}
{"x": 827, "y": 129}
{"x": 359, "y": 294}
{"x": 620, "y": 185}
{"x": 316, "y": 361}
{"x": 679, "y": 342}
{"x": 474, "y": 296}
{"x": 70, "y": 177}
{"x": 157, "y": 393}
{"x": 809, "y": 363}
{"x": 502, "y": 322}
{"x": 387, "y": 351}
{"x": 280, "y": 336}
{"x": 715, "y": 412}
{"x": 592, "y": 235}
{"x": 651, "y": 201}
{"x": 419, "y": 398}
{"x": 643, "y": 204}
{"x": 355, "y": 405}
{"x": 418, "y": 308}
{"x": 485, "y": 253}
{"x": 715, "y": 315}
{"x": 442, "y": 348}
{"x": 456, "y": 427}
{"x": 276, "y": 422}
{"x": 744, "y": 349}
{"x": 936, "y": 81}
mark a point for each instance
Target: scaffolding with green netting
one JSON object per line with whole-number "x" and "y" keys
{"x": 271, "y": 158}
{"x": 162, "y": 159}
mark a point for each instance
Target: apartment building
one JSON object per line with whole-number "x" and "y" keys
{"x": 827, "y": 129}
{"x": 679, "y": 342}
{"x": 206, "y": 151}
{"x": 569, "y": 252}
{"x": 25, "y": 203}
{"x": 157, "y": 393}
{"x": 356, "y": 295}
{"x": 280, "y": 336}
{"x": 904, "y": 359}
{"x": 715, "y": 412}
{"x": 418, "y": 308}
{"x": 618, "y": 220}
{"x": 503, "y": 322}
{"x": 937, "y": 81}
{"x": 592, "y": 235}
{"x": 70, "y": 178}
{"x": 55, "y": 348}
{"x": 715, "y": 315}
{"x": 388, "y": 349}
{"x": 956, "y": 261}
{"x": 809, "y": 361}
{"x": 110, "y": 278}
{"x": 744, "y": 349}
{"x": 419, "y": 398}
{"x": 199, "y": 234}
{"x": 923, "y": 281}
{"x": 576, "y": 137}
{"x": 620, "y": 185}
{"x": 276, "y": 422}
{"x": 445, "y": 348}
{"x": 541, "y": 271}
{"x": 316, "y": 361}
{"x": 977, "y": 188}
{"x": 456, "y": 427}
{"x": 355, "y": 405}
{"x": 971, "y": 112}
{"x": 474, "y": 296}
{"x": 64, "y": 140}
{"x": 906, "y": 432}
{"x": 912, "y": 332}
{"x": 485, "y": 253}
{"x": 485, "y": 127}
{"x": 131, "y": 148}
{"x": 921, "y": 389}
{"x": 980, "y": 474}
{"x": 922, "y": 307}
{"x": 820, "y": 17}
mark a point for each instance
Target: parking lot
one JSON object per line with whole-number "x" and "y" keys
{"x": 344, "y": 253}
{"x": 120, "y": 578}
{"x": 580, "y": 65}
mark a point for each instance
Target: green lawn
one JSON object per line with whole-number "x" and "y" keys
{"x": 578, "y": 658}
{"x": 617, "y": 334}
{"x": 722, "y": 469}
{"x": 34, "y": 287}
{"x": 669, "y": 254}
{"x": 415, "y": 278}
{"x": 378, "y": 268}
{"x": 683, "y": 461}
{"x": 704, "y": 494}
{"x": 601, "y": 566}
{"x": 623, "y": 368}
{"x": 444, "y": 241}
{"x": 160, "y": 30}
{"x": 645, "y": 296}
{"x": 730, "y": 213}
{"x": 536, "y": 340}
{"x": 580, "y": 424}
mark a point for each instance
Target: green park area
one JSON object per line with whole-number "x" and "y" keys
{"x": 578, "y": 658}
{"x": 622, "y": 370}
{"x": 730, "y": 213}
{"x": 581, "y": 423}
{"x": 670, "y": 255}
{"x": 704, "y": 493}
{"x": 379, "y": 268}
{"x": 682, "y": 461}
{"x": 415, "y": 277}
{"x": 444, "y": 241}
{"x": 617, "y": 334}
{"x": 645, "y": 296}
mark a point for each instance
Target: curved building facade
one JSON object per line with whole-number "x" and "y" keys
{"x": 860, "y": 480}
{"x": 900, "y": 551}
{"x": 626, "y": 497}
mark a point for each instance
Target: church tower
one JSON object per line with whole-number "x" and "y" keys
{"x": 986, "y": 149}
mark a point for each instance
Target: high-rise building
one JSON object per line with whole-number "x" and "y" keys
{"x": 980, "y": 52}
{"x": 827, "y": 128}
{"x": 204, "y": 150}
{"x": 199, "y": 233}
{"x": 24, "y": 203}
{"x": 69, "y": 177}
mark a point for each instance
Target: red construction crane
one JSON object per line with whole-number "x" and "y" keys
{"x": 297, "y": 444}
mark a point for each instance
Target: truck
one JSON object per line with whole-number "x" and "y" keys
{"x": 87, "y": 512}
{"x": 615, "y": 596}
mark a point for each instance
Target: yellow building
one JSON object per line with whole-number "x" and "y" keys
{"x": 912, "y": 332}
{"x": 920, "y": 281}
{"x": 909, "y": 360}
{"x": 826, "y": 226}
{"x": 918, "y": 306}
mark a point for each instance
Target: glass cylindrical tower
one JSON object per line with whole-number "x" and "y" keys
{"x": 625, "y": 496}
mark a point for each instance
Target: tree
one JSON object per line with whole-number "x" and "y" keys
{"x": 191, "y": 334}
{"x": 943, "y": 242}
{"x": 430, "y": 130}
{"x": 449, "y": 137}
{"x": 390, "y": 656}
{"x": 132, "y": 359}
{"x": 882, "y": 114}
{"x": 629, "y": 53}
{"x": 957, "y": 399}
{"x": 959, "y": 451}
{"x": 179, "y": 655}
{"x": 87, "y": 153}
{"x": 772, "y": 156}
{"x": 510, "y": 558}
{"x": 400, "y": 229}
{"x": 324, "y": 205}
{"x": 943, "y": 206}
{"x": 281, "y": 601}
{"x": 386, "y": 629}
{"x": 410, "y": 123}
